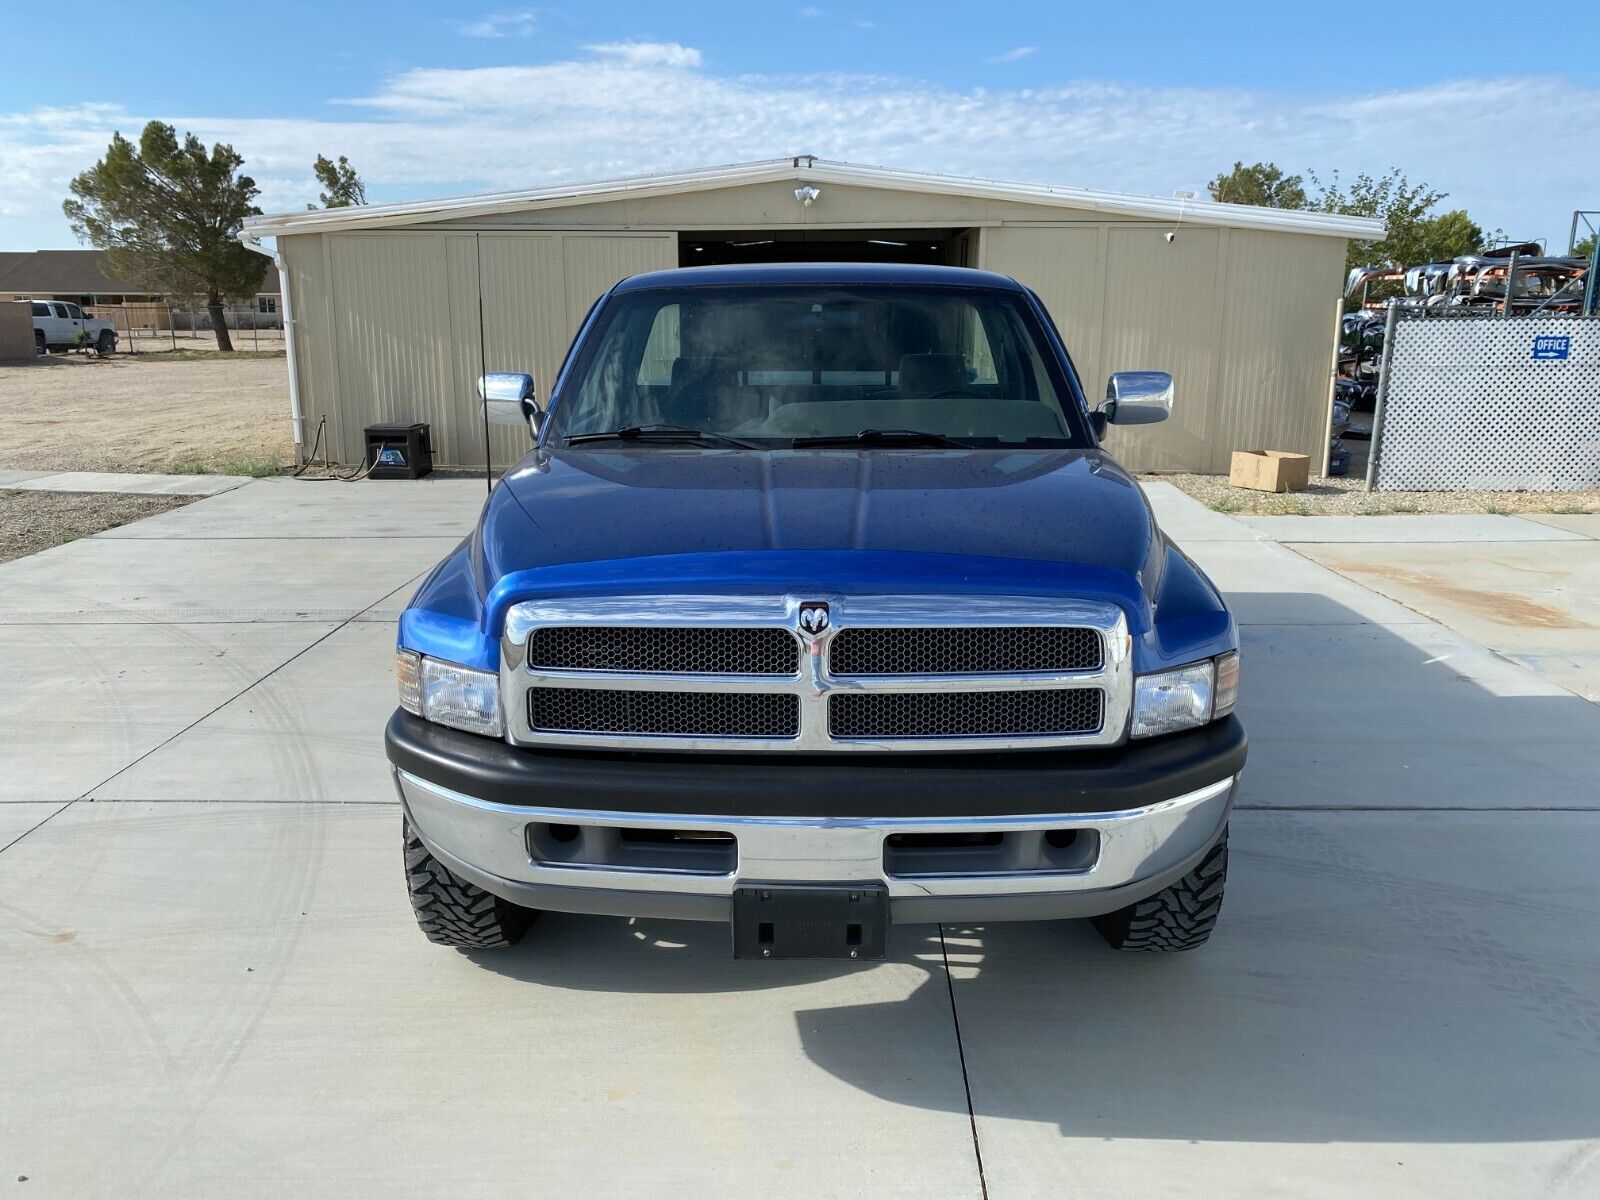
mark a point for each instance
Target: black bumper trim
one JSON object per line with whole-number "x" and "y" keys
{"x": 820, "y": 785}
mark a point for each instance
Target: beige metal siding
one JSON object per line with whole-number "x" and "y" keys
{"x": 773, "y": 206}
{"x": 1278, "y": 335}
{"x": 1161, "y": 315}
{"x": 525, "y": 326}
{"x": 1066, "y": 266}
{"x": 313, "y": 332}
{"x": 393, "y": 325}
{"x": 1239, "y": 318}
{"x": 387, "y": 324}
{"x": 459, "y": 438}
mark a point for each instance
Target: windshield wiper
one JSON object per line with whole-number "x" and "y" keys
{"x": 661, "y": 433}
{"x": 881, "y": 437}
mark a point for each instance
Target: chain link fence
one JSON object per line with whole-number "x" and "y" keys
{"x": 150, "y": 328}
{"x": 1488, "y": 402}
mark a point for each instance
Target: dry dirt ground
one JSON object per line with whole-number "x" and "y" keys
{"x": 1348, "y": 497}
{"x": 34, "y": 521}
{"x": 189, "y": 413}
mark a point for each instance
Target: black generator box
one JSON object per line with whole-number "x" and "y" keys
{"x": 399, "y": 451}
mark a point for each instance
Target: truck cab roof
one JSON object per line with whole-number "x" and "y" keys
{"x": 846, "y": 273}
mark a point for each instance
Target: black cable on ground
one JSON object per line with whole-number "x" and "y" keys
{"x": 961, "y": 1053}
{"x": 328, "y": 464}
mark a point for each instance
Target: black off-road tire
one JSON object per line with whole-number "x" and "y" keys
{"x": 1179, "y": 917}
{"x": 38, "y": 342}
{"x": 106, "y": 344}
{"x": 453, "y": 912}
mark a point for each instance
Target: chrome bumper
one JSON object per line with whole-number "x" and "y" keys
{"x": 1121, "y": 856}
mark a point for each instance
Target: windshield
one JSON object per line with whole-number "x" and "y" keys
{"x": 771, "y": 366}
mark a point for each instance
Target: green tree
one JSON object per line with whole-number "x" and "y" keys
{"x": 1411, "y": 235}
{"x": 1585, "y": 248}
{"x": 1448, "y": 235}
{"x": 1261, "y": 184}
{"x": 167, "y": 212}
{"x": 343, "y": 187}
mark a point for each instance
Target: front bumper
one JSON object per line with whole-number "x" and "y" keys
{"x": 963, "y": 838}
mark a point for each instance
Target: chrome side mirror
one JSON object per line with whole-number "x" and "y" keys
{"x": 509, "y": 399}
{"x": 1137, "y": 398}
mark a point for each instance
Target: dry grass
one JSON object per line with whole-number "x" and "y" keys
{"x": 1349, "y": 497}
{"x": 160, "y": 356}
{"x": 34, "y": 521}
{"x": 189, "y": 413}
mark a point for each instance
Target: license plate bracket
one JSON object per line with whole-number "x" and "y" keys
{"x": 817, "y": 921}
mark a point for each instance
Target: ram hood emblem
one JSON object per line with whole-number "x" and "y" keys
{"x": 814, "y": 618}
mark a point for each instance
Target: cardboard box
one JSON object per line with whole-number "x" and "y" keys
{"x": 1270, "y": 470}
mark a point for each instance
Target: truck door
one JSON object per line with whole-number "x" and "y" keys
{"x": 75, "y": 320}
{"x": 58, "y": 329}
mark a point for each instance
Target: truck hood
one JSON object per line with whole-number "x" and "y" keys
{"x": 1054, "y": 506}
{"x": 659, "y": 520}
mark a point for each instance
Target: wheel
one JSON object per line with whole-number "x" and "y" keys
{"x": 38, "y": 342}
{"x": 106, "y": 344}
{"x": 1179, "y": 917}
{"x": 453, "y": 912}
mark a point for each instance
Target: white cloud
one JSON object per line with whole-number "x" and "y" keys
{"x": 649, "y": 54}
{"x": 634, "y": 107}
{"x": 810, "y": 12}
{"x": 1016, "y": 54}
{"x": 519, "y": 22}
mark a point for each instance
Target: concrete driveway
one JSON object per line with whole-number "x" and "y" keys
{"x": 211, "y": 985}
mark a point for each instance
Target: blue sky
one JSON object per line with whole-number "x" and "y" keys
{"x": 439, "y": 99}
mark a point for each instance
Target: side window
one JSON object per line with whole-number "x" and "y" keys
{"x": 41, "y": 310}
{"x": 74, "y": 312}
{"x": 976, "y": 350}
{"x": 267, "y": 304}
{"x": 60, "y": 310}
{"x": 662, "y": 348}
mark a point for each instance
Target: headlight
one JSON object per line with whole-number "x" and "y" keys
{"x": 1173, "y": 700}
{"x": 449, "y": 694}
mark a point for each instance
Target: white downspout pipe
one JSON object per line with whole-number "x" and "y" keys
{"x": 296, "y": 417}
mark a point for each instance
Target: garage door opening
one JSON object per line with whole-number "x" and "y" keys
{"x": 947, "y": 247}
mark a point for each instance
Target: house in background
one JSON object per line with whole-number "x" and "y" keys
{"x": 84, "y": 277}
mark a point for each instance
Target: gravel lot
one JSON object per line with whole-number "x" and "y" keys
{"x": 1348, "y": 497}
{"x": 153, "y": 413}
{"x": 34, "y": 521}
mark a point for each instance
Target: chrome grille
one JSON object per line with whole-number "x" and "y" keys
{"x": 668, "y": 714}
{"x": 998, "y": 650}
{"x": 664, "y": 650}
{"x": 1021, "y": 713}
{"x": 742, "y": 673}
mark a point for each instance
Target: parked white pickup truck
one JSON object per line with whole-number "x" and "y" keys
{"x": 57, "y": 324}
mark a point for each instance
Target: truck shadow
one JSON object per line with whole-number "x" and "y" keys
{"x": 1400, "y": 958}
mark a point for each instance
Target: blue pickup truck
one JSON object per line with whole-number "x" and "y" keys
{"x": 817, "y": 608}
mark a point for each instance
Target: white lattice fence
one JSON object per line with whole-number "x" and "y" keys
{"x": 1491, "y": 403}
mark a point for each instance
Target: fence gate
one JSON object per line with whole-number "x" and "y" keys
{"x": 1490, "y": 403}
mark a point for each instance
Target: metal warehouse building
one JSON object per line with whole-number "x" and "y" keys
{"x": 1238, "y": 303}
